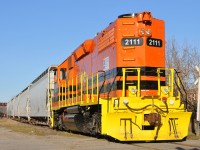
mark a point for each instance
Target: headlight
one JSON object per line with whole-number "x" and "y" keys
{"x": 125, "y": 101}
{"x": 148, "y": 32}
{"x": 171, "y": 101}
{"x": 141, "y": 32}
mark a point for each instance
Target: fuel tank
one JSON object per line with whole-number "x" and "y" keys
{"x": 74, "y": 122}
{"x": 73, "y": 119}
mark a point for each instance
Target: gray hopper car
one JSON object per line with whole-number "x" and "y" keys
{"x": 33, "y": 103}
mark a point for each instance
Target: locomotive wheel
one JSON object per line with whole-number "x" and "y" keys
{"x": 60, "y": 123}
{"x": 97, "y": 122}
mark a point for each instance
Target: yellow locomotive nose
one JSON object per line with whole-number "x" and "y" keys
{"x": 125, "y": 125}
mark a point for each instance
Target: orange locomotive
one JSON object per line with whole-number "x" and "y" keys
{"x": 116, "y": 84}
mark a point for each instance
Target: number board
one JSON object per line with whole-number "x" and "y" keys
{"x": 132, "y": 41}
{"x": 154, "y": 42}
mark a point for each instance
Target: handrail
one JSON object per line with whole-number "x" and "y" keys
{"x": 108, "y": 97}
{"x": 74, "y": 89}
{"x": 170, "y": 80}
{"x": 124, "y": 70}
{"x": 104, "y": 79}
{"x": 65, "y": 93}
{"x": 59, "y": 97}
{"x": 76, "y": 99}
{"x": 178, "y": 86}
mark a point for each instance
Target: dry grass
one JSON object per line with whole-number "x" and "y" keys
{"x": 192, "y": 136}
{"x": 29, "y": 129}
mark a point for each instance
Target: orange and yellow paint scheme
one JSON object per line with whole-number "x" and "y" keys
{"x": 117, "y": 85}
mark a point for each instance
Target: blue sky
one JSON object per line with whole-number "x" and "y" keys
{"x": 36, "y": 34}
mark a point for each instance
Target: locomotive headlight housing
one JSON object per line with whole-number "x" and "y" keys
{"x": 144, "y": 32}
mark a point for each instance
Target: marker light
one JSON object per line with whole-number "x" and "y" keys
{"x": 164, "y": 99}
{"x": 165, "y": 91}
{"x": 116, "y": 101}
{"x": 133, "y": 90}
{"x": 171, "y": 101}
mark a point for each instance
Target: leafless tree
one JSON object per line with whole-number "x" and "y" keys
{"x": 184, "y": 58}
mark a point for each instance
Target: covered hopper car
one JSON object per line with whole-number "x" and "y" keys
{"x": 33, "y": 103}
{"x": 115, "y": 84}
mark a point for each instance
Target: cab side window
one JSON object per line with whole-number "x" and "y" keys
{"x": 63, "y": 73}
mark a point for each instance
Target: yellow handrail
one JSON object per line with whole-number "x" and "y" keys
{"x": 138, "y": 89}
{"x": 123, "y": 78}
{"x": 87, "y": 89}
{"x": 158, "y": 72}
{"x": 76, "y": 90}
{"x": 72, "y": 90}
{"x": 97, "y": 83}
{"x": 170, "y": 77}
{"x": 58, "y": 96}
{"x": 65, "y": 93}
{"x": 68, "y": 91}
{"x": 124, "y": 70}
{"x": 92, "y": 87}
{"x": 81, "y": 88}
{"x": 172, "y": 82}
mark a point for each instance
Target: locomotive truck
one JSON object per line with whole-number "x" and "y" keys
{"x": 115, "y": 84}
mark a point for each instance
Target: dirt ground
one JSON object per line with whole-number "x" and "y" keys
{"x": 19, "y": 136}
